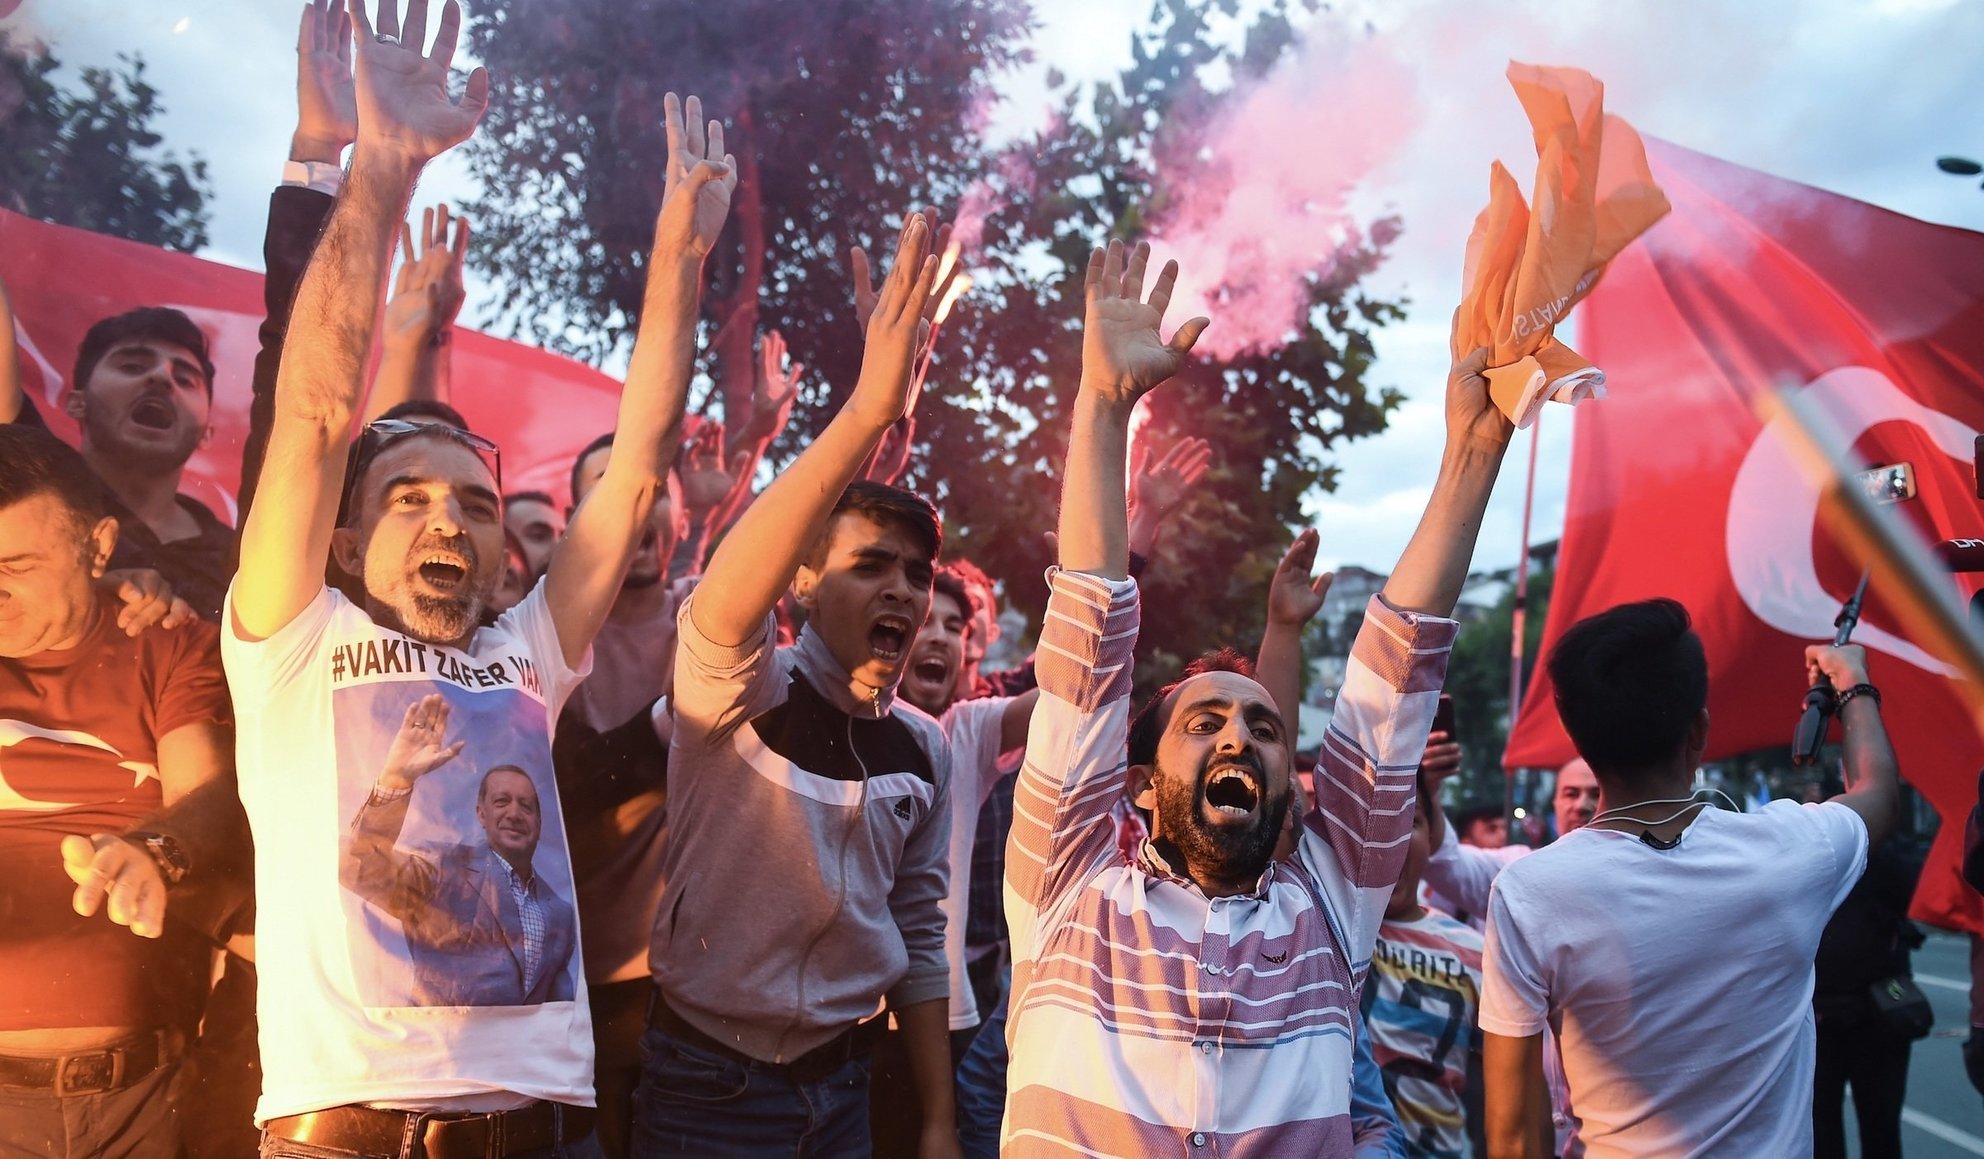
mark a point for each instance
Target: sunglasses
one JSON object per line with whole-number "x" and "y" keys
{"x": 383, "y": 433}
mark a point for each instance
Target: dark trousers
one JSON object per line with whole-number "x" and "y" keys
{"x": 224, "y": 1072}
{"x": 138, "y": 1122}
{"x": 694, "y": 1103}
{"x": 1873, "y": 1060}
{"x": 619, "y": 1019}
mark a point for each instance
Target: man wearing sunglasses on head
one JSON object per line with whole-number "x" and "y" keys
{"x": 356, "y": 1060}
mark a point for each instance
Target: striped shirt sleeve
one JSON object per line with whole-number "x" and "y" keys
{"x": 1360, "y": 820}
{"x": 1063, "y": 815}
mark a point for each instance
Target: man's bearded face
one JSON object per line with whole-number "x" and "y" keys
{"x": 1222, "y": 778}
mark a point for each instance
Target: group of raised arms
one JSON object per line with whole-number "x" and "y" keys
{"x": 413, "y": 816}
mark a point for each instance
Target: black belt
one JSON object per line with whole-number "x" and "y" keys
{"x": 437, "y": 1135}
{"x": 92, "y": 1072}
{"x": 817, "y": 1063}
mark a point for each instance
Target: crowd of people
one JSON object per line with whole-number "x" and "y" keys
{"x": 411, "y": 816}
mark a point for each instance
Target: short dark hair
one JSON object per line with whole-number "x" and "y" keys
{"x": 888, "y": 505}
{"x": 947, "y": 582}
{"x": 34, "y": 462}
{"x": 605, "y": 440}
{"x": 528, "y": 497}
{"x": 1630, "y": 682}
{"x": 426, "y": 408}
{"x": 144, "y": 324}
{"x": 971, "y": 574}
{"x": 1148, "y": 725}
{"x": 1474, "y": 815}
{"x": 482, "y": 790}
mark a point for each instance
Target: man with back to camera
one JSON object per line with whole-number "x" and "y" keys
{"x": 320, "y": 677}
{"x": 1668, "y": 944}
{"x": 761, "y": 1028}
{"x": 1199, "y": 997}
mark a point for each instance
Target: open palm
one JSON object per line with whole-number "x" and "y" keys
{"x": 419, "y": 747}
{"x": 1122, "y": 354}
{"x": 696, "y": 191}
{"x": 403, "y": 99}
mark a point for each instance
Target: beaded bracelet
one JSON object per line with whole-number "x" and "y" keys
{"x": 1857, "y": 690}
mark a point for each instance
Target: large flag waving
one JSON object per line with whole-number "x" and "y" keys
{"x": 1678, "y": 489}
{"x": 541, "y": 408}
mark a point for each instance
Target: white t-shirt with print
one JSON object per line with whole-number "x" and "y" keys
{"x": 1680, "y": 980}
{"x": 972, "y": 727}
{"x": 402, "y": 962}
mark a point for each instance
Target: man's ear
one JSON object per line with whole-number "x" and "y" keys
{"x": 806, "y": 587}
{"x": 347, "y": 552}
{"x": 103, "y": 542}
{"x": 1143, "y": 789}
{"x": 75, "y": 404}
{"x": 1698, "y": 735}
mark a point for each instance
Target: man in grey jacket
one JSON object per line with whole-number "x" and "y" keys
{"x": 808, "y": 810}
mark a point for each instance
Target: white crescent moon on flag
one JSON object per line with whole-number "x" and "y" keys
{"x": 13, "y": 732}
{"x": 1774, "y": 505}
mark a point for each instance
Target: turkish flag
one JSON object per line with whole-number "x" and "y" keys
{"x": 1678, "y": 489}
{"x": 540, "y": 408}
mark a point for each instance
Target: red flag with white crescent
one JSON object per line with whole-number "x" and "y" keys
{"x": 1678, "y": 489}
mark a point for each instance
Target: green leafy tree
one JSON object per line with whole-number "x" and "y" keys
{"x": 88, "y": 156}
{"x": 842, "y": 115}
{"x": 1478, "y": 680}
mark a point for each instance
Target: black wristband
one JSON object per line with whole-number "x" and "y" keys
{"x": 1867, "y": 690}
{"x": 173, "y": 864}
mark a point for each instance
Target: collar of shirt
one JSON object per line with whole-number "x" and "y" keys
{"x": 523, "y": 881}
{"x": 1153, "y": 863}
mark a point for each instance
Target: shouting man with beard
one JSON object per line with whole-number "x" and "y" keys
{"x": 356, "y": 1058}
{"x": 1197, "y": 998}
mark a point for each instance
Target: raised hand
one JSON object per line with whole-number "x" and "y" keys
{"x": 326, "y": 100}
{"x": 1294, "y": 598}
{"x": 1472, "y": 416}
{"x": 695, "y": 197}
{"x": 1122, "y": 356}
{"x": 773, "y": 392}
{"x": 403, "y": 102}
{"x": 705, "y": 481}
{"x": 106, "y": 866}
{"x": 418, "y": 749}
{"x": 1160, "y": 489}
{"x": 429, "y": 292}
{"x": 865, "y": 294}
{"x": 891, "y": 457}
{"x": 896, "y": 327}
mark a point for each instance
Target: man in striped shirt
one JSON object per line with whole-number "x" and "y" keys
{"x": 1196, "y": 999}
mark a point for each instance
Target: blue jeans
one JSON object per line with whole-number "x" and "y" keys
{"x": 697, "y": 1103}
{"x": 136, "y": 1122}
{"x": 274, "y": 1148}
{"x": 982, "y": 1087}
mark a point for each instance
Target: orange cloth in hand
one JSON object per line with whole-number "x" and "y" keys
{"x": 1527, "y": 266}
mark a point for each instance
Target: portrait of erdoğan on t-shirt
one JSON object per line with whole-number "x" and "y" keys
{"x": 453, "y": 861}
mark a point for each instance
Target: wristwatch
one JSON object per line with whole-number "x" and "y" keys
{"x": 173, "y": 864}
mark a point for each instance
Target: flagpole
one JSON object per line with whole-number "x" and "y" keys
{"x": 1519, "y": 617}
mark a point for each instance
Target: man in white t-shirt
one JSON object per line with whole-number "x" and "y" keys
{"x": 1668, "y": 944}
{"x": 363, "y": 1049}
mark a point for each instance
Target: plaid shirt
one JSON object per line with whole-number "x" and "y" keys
{"x": 1146, "y": 1017}
{"x": 523, "y": 890}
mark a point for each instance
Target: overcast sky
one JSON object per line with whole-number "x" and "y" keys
{"x": 1854, "y": 96}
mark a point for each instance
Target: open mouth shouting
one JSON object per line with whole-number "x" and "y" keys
{"x": 444, "y": 571}
{"x": 154, "y": 414}
{"x": 888, "y": 637}
{"x": 1233, "y": 791}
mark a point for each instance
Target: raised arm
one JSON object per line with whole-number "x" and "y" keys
{"x": 585, "y": 572}
{"x": 1867, "y": 760}
{"x": 420, "y": 320}
{"x": 758, "y": 559}
{"x": 405, "y": 119}
{"x": 1293, "y": 600}
{"x": 10, "y": 362}
{"x": 1430, "y": 573}
{"x": 1158, "y": 490}
{"x": 1122, "y": 360}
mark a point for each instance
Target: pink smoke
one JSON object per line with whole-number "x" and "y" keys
{"x": 1261, "y": 206}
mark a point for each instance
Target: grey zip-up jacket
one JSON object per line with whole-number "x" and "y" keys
{"x": 807, "y": 858}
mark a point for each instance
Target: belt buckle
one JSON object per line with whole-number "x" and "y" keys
{"x": 89, "y": 1074}
{"x": 463, "y": 1136}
